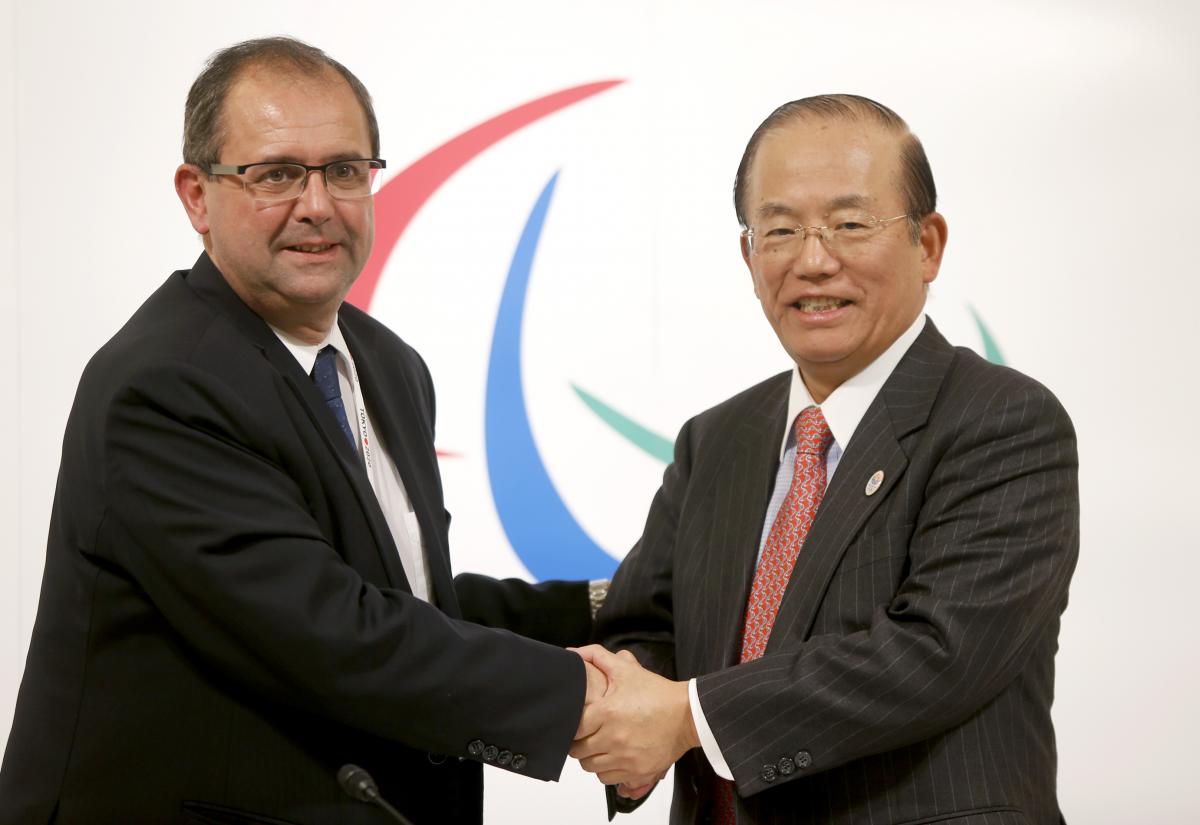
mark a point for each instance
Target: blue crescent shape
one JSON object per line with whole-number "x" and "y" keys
{"x": 541, "y": 530}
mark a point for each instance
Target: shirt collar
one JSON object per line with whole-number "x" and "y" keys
{"x": 306, "y": 354}
{"x": 846, "y": 405}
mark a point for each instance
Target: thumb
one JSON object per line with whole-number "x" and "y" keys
{"x": 588, "y": 652}
{"x": 607, "y": 662}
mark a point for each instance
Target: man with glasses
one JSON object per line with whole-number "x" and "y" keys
{"x": 848, "y": 590}
{"x": 247, "y": 582}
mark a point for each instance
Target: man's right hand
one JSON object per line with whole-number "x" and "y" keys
{"x": 640, "y": 728}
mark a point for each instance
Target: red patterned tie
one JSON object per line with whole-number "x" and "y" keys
{"x": 779, "y": 555}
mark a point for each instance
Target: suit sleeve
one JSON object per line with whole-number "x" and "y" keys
{"x": 221, "y": 539}
{"x": 988, "y": 564}
{"x": 555, "y": 612}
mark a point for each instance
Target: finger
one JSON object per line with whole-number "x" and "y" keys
{"x": 589, "y": 722}
{"x": 603, "y": 763}
{"x": 597, "y": 683}
{"x": 633, "y": 792}
{"x": 634, "y": 789}
{"x": 588, "y": 728}
{"x": 626, "y": 655}
{"x": 597, "y": 741}
{"x": 616, "y": 771}
{"x": 585, "y": 753}
{"x": 606, "y": 761}
{"x": 638, "y": 781}
{"x": 616, "y": 776}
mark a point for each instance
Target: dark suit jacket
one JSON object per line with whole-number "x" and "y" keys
{"x": 224, "y": 619}
{"x": 910, "y": 671}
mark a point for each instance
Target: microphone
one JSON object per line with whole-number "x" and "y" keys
{"x": 359, "y": 785}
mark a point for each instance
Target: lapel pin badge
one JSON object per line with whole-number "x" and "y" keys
{"x": 874, "y": 482}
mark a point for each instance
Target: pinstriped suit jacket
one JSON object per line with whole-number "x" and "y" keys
{"x": 910, "y": 672}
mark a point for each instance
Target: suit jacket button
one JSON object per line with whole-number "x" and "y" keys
{"x": 518, "y": 761}
{"x": 786, "y": 766}
{"x": 768, "y": 773}
{"x": 490, "y": 753}
{"x": 475, "y": 748}
{"x": 803, "y": 759}
{"x": 504, "y": 758}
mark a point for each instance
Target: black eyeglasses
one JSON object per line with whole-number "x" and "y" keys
{"x": 344, "y": 179}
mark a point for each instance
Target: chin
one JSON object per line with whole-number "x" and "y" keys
{"x": 820, "y": 353}
{"x": 317, "y": 290}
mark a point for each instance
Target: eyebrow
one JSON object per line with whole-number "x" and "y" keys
{"x": 849, "y": 202}
{"x": 285, "y": 157}
{"x": 773, "y": 209}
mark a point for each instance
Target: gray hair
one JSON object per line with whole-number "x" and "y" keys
{"x": 916, "y": 184}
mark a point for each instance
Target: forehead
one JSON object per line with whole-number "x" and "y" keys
{"x": 276, "y": 111}
{"x": 819, "y": 161}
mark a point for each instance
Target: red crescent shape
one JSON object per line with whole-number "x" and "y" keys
{"x": 404, "y": 195}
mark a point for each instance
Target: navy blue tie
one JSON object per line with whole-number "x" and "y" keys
{"x": 325, "y": 376}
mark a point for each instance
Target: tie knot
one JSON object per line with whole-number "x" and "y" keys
{"x": 327, "y": 355}
{"x": 324, "y": 374}
{"x": 812, "y": 432}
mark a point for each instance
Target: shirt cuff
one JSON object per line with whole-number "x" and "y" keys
{"x": 707, "y": 741}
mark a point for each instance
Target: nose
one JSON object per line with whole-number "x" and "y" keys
{"x": 814, "y": 259}
{"x": 315, "y": 205}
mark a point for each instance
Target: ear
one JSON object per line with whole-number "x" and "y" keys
{"x": 190, "y": 185}
{"x": 933, "y": 244}
{"x": 745, "y": 243}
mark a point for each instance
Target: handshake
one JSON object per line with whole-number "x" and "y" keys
{"x": 635, "y": 723}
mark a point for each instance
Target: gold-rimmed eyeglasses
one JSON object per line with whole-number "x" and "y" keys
{"x": 344, "y": 179}
{"x": 844, "y": 235}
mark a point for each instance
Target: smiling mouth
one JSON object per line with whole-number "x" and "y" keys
{"x": 820, "y": 304}
{"x": 311, "y": 248}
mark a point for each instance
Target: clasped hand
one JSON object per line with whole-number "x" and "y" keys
{"x": 635, "y": 723}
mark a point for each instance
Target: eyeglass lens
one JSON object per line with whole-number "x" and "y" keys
{"x": 280, "y": 181}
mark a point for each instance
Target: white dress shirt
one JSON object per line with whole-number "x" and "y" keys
{"x": 843, "y": 410}
{"x": 381, "y": 470}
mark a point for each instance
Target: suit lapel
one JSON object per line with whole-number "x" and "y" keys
{"x": 740, "y": 505}
{"x": 206, "y": 280}
{"x": 397, "y": 421}
{"x": 901, "y": 408}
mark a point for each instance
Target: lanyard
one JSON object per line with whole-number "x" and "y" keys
{"x": 360, "y": 417}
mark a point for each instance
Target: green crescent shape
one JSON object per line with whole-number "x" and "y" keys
{"x": 641, "y": 437}
{"x": 991, "y": 350}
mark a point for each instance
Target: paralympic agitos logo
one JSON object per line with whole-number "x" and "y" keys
{"x": 539, "y": 526}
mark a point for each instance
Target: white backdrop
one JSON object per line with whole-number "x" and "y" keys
{"x": 1063, "y": 137}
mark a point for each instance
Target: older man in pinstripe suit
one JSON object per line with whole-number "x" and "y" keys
{"x": 847, "y": 595}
